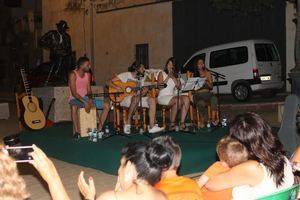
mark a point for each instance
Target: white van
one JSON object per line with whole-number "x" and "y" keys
{"x": 250, "y": 65}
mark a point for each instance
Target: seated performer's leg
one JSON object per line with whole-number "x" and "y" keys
{"x": 104, "y": 113}
{"x": 214, "y": 108}
{"x": 152, "y": 110}
{"x": 184, "y": 107}
{"x": 74, "y": 118}
{"x": 134, "y": 103}
{"x": 174, "y": 105}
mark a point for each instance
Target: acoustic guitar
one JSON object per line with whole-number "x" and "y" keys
{"x": 128, "y": 88}
{"x": 33, "y": 116}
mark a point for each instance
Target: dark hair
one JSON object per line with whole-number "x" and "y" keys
{"x": 172, "y": 147}
{"x": 172, "y": 59}
{"x": 149, "y": 160}
{"x": 135, "y": 66}
{"x": 264, "y": 147}
{"x": 82, "y": 60}
{"x": 195, "y": 66}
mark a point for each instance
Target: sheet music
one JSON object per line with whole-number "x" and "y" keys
{"x": 194, "y": 83}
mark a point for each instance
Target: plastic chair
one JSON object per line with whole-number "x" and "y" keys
{"x": 287, "y": 194}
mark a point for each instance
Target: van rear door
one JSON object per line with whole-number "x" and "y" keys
{"x": 268, "y": 62}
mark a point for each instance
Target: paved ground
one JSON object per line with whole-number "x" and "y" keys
{"x": 69, "y": 172}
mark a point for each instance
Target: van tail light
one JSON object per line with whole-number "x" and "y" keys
{"x": 255, "y": 73}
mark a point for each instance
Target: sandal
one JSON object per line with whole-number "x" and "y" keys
{"x": 184, "y": 128}
{"x": 172, "y": 127}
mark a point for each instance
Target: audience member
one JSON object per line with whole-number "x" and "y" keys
{"x": 267, "y": 170}
{"x": 231, "y": 153}
{"x": 12, "y": 185}
{"x": 174, "y": 186}
{"x": 140, "y": 168}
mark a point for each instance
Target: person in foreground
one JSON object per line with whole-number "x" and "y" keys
{"x": 12, "y": 185}
{"x": 267, "y": 170}
{"x": 140, "y": 168}
{"x": 174, "y": 186}
{"x": 49, "y": 173}
{"x": 231, "y": 153}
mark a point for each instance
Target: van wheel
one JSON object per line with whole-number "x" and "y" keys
{"x": 241, "y": 92}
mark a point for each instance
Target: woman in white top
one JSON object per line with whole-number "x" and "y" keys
{"x": 168, "y": 95}
{"x": 266, "y": 172}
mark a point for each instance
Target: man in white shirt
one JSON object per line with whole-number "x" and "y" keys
{"x": 136, "y": 74}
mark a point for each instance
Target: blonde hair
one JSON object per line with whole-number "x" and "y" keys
{"x": 231, "y": 151}
{"x": 12, "y": 185}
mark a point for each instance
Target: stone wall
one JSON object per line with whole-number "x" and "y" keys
{"x": 115, "y": 33}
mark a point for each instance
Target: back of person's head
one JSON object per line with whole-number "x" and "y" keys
{"x": 231, "y": 151}
{"x": 81, "y": 61}
{"x": 12, "y": 185}
{"x": 256, "y": 135}
{"x": 149, "y": 160}
{"x": 171, "y": 146}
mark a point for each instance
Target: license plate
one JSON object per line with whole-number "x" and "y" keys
{"x": 265, "y": 78}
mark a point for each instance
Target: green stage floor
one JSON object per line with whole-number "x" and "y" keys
{"x": 198, "y": 150}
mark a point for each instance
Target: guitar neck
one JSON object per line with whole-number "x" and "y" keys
{"x": 27, "y": 87}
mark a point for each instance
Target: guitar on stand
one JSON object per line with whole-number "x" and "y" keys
{"x": 33, "y": 116}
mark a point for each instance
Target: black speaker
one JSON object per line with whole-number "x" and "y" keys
{"x": 13, "y": 3}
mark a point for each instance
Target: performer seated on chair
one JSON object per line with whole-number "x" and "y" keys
{"x": 168, "y": 96}
{"x": 80, "y": 87}
{"x": 136, "y": 71}
{"x": 204, "y": 95}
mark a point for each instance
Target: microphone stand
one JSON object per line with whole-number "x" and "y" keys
{"x": 217, "y": 77}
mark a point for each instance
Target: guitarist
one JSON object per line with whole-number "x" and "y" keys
{"x": 80, "y": 87}
{"x": 136, "y": 73}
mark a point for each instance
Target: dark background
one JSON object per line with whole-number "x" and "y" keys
{"x": 197, "y": 25}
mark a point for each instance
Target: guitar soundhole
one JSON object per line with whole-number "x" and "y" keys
{"x": 31, "y": 107}
{"x": 128, "y": 90}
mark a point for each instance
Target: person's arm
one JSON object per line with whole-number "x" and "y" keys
{"x": 48, "y": 172}
{"x": 209, "y": 81}
{"x": 202, "y": 180}
{"x": 89, "y": 89}
{"x": 296, "y": 156}
{"x": 247, "y": 173}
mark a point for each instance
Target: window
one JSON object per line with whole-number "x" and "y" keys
{"x": 191, "y": 65}
{"x": 266, "y": 52}
{"x": 226, "y": 57}
{"x": 141, "y": 54}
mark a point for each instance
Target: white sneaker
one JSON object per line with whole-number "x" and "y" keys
{"x": 127, "y": 128}
{"x": 156, "y": 129}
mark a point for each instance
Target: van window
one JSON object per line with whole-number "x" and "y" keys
{"x": 266, "y": 52}
{"x": 226, "y": 57}
{"x": 191, "y": 65}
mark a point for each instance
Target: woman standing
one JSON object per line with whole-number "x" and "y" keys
{"x": 168, "y": 97}
{"x": 266, "y": 172}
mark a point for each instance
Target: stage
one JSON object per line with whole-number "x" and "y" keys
{"x": 198, "y": 150}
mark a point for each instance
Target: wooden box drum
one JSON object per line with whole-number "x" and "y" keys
{"x": 86, "y": 121}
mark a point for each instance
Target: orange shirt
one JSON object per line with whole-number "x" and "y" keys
{"x": 180, "y": 188}
{"x": 213, "y": 170}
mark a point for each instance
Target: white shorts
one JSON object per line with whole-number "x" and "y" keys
{"x": 164, "y": 100}
{"x": 127, "y": 101}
